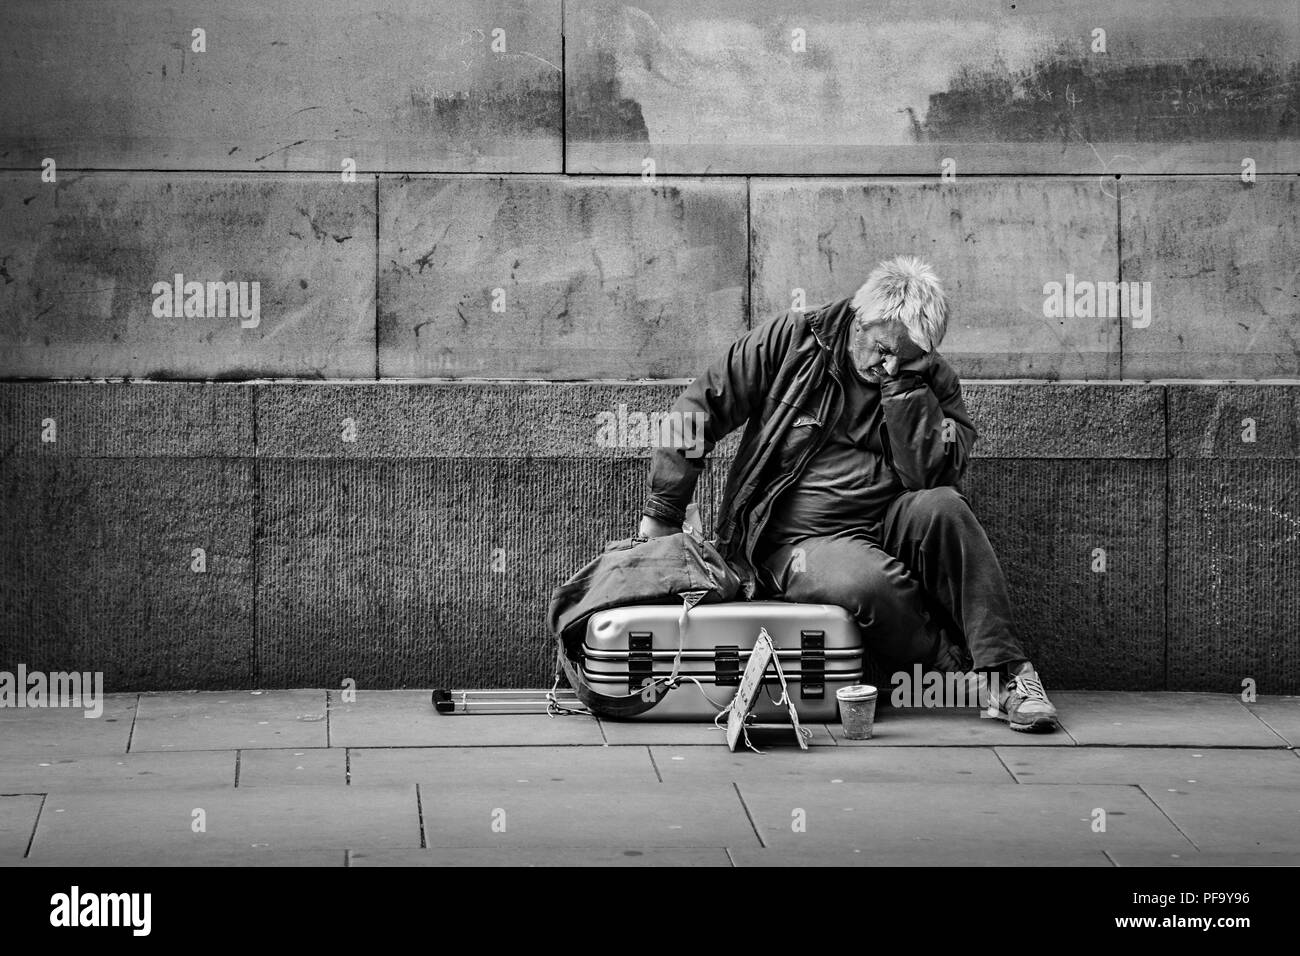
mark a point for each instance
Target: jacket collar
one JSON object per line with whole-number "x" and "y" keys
{"x": 830, "y": 326}
{"x": 831, "y": 322}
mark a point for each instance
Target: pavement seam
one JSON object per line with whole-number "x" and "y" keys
{"x": 419, "y": 811}
{"x": 35, "y": 823}
{"x": 1014, "y": 778}
{"x": 327, "y": 718}
{"x": 730, "y": 859}
{"x": 654, "y": 766}
{"x": 1143, "y": 791}
{"x": 135, "y": 712}
{"x": 1271, "y": 728}
{"x": 749, "y": 816}
{"x": 238, "y": 758}
{"x": 347, "y": 766}
{"x": 1113, "y": 862}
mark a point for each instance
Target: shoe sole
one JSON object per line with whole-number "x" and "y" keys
{"x": 1039, "y": 725}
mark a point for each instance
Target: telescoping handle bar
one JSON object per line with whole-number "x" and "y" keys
{"x": 499, "y": 701}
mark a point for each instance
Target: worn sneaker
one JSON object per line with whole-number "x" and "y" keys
{"x": 1023, "y": 703}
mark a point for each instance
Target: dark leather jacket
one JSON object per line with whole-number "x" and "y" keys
{"x": 782, "y": 381}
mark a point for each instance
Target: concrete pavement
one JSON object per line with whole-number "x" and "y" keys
{"x": 300, "y": 778}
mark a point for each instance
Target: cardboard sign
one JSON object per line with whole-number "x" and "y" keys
{"x": 751, "y": 685}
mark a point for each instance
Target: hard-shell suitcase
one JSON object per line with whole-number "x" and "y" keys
{"x": 633, "y": 649}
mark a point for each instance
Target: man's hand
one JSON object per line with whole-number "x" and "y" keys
{"x": 654, "y": 528}
{"x": 920, "y": 365}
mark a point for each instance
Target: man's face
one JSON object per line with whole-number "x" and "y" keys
{"x": 878, "y": 348}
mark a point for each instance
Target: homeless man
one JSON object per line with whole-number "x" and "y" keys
{"x": 845, "y": 488}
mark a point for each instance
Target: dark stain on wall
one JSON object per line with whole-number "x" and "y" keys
{"x": 503, "y": 108}
{"x": 597, "y": 110}
{"x": 1195, "y": 100}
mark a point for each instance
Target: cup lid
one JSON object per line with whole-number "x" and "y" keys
{"x": 856, "y": 692}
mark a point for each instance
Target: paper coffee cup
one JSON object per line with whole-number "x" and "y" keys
{"x": 857, "y": 710}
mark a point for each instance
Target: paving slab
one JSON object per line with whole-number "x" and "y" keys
{"x": 645, "y": 733}
{"x": 152, "y": 856}
{"x": 611, "y": 815}
{"x": 1212, "y": 858}
{"x": 833, "y": 765}
{"x": 1237, "y": 818}
{"x": 936, "y": 823}
{"x": 230, "y": 720}
{"x": 544, "y": 856}
{"x": 98, "y": 772}
{"x": 932, "y": 727}
{"x": 156, "y": 824}
{"x": 1184, "y": 767}
{"x": 502, "y": 766}
{"x": 18, "y": 815}
{"x": 406, "y": 718}
{"x": 53, "y": 731}
{"x": 1282, "y": 714}
{"x": 1161, "y": 719}
{"x": 1002, "y": 855}
{"x": 311, "y": 767}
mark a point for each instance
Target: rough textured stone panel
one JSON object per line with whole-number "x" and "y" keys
{"x": 1222, "y": 259}
{"x": 1067, "y": 421}
{"x": 1234, "y": 567}
{"x": 383, "y": 571}
{"x": 296, "y": 84}
{"x": 994, "y": 243}
{"x": 1082, "y": 628}
{"x": 82, "y": 257}
{"x": 999, "y": 87}
{"x": 460, "y": 420}
{"x": 614, "y": 279}
{"x": 531, "y": 420}
{"x": 95, "y": 556}
{"x": 126, "y": 421}
{"x": 1210, "y": 421}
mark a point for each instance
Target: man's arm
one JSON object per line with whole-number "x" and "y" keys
{"x": 918, "y": 405}
{"x": 726, "y": 394}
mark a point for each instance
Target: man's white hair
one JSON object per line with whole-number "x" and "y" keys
{"x": 905, "y": 289}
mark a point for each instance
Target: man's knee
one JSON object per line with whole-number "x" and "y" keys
{"x": 852, "y": 575}
{"x": 943, "y": 504}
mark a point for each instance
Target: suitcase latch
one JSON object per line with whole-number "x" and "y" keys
{"x": 640, "y": 659}
{"x": 812, "y": 665}
{"x": 726, "y": 665}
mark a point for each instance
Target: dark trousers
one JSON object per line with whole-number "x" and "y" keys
{"x": 930, "y": 551}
